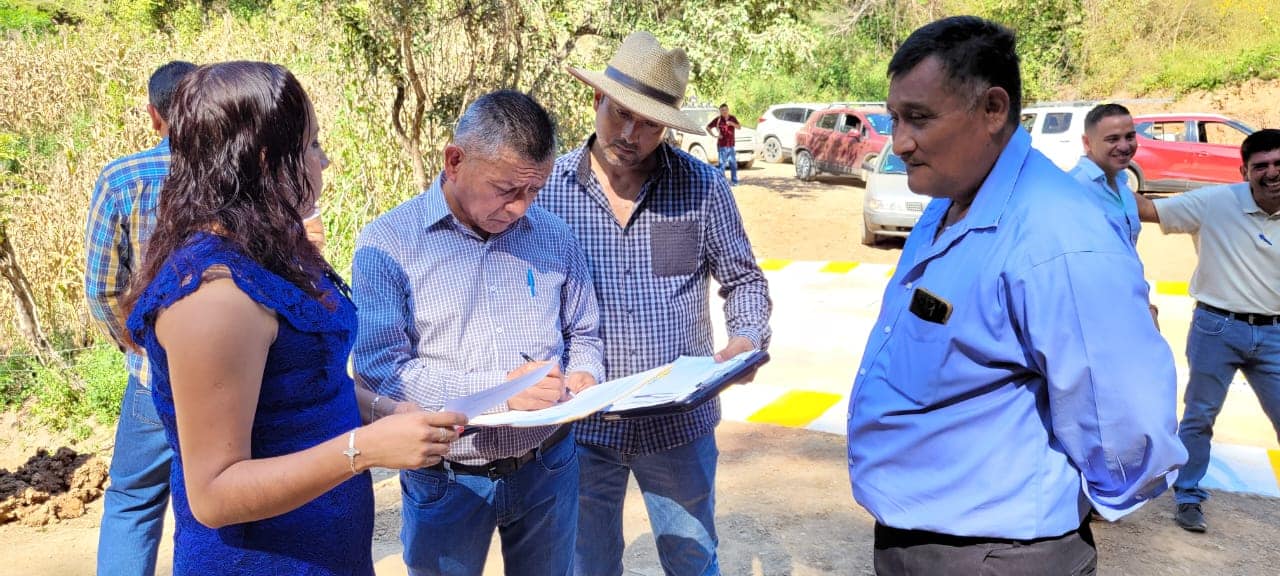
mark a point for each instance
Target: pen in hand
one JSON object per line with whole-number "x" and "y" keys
{"x": 528, "y": 358}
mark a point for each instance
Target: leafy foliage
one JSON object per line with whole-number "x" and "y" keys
{"x": 73, "y": 90}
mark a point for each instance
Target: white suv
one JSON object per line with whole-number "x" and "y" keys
{"x": 776, "y": 128}
{"x": 1056, "y": 129}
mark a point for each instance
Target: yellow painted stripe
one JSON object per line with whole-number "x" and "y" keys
{"x": 1171, "y": 288}
{"x": 773, "y": 264}
{"x": 1274, "y": 456}
{"x": 889, "y": 274}
{"x": 796, "y": 408}
{"x": 838, "y": 267}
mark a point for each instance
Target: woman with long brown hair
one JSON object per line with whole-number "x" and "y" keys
{"x": 248, "y": 331}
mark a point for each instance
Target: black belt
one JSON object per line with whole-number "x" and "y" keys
{"x": 1250, "y": 319}
{"x": 504, "y": 466}
{"x": 889, "y": 537}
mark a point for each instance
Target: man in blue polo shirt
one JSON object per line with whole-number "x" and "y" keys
{"x": 1013, "y": 378}
{"x": 1110, "y": 141}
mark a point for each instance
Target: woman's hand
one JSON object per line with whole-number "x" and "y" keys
{"x": 407, "y": 439}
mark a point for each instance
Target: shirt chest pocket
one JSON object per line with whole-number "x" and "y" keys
{"x": 917, "y": 360}
{"x": 676, "y": 247}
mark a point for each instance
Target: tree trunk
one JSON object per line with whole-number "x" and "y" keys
{"x": 24, "y": 302}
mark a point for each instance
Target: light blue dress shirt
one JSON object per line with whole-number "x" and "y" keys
{"x": 1047, "y": 389}
{"x": 1119, "y": 205}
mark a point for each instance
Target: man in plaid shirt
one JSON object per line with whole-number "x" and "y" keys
{"x": 655, "y": 225}
{"x": 122, "y": 214}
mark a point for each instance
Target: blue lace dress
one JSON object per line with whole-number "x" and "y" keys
{"x": 307, "y": 398}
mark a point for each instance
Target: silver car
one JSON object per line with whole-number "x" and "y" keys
{"x": 889, "y": 207}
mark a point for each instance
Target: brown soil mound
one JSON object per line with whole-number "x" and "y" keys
{"x": 50, "y": 488}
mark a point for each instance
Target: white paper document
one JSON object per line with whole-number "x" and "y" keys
{"x": 660, "y": 385}
{"x": 584, "y": 404}
{"x": 475, "y": 404}
{"x": 687, "y": 374}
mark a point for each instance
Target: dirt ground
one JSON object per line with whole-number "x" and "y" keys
{"x": 51, "y": 486}
{"x": 784, "y": 505}
{"x": 783, "y": 508}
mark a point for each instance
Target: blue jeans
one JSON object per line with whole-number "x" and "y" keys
{"x": 1217, "y": 346}
{"x": 679, "y": 492}
{"x": 729, "y": 160}
{"x": 449, "y": 518}
{"x": 134, "y": 503}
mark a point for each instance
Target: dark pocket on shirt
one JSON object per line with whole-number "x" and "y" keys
{"x": 676, "y": 247}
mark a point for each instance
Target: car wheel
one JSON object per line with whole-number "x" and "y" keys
{"x": 804, "y": 166}
{"x": 1135, "y": 181}
{"x": 772, "y": 150}
{"x": 746, "y": 165}
{"x": 868, "y": 237}
{"x": 696, "y": 151}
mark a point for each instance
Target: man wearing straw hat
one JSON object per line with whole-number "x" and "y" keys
{"x": 656, "y": 225}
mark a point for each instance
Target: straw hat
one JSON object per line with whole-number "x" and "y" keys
{"x": 646, "y": 79}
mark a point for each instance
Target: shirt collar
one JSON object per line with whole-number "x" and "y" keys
{"x": 1094, "y": 172}
{"x": 1245, "y": 196}
{"x": 992, "y": 197}
{"x": 436, "y": 209}
{"x": 1091, "y": 169}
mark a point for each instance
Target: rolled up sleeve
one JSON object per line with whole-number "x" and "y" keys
{"x": 1112, "y": 387}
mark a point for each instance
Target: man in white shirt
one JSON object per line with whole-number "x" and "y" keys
{"x": 1236, "y": 285}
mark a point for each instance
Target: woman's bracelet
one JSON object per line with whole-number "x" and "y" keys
{"x": 351, "y": 451}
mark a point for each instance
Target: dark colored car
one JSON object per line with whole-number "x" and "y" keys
{"x": 838, "y": 140}
{"x": 1178, "y": 152}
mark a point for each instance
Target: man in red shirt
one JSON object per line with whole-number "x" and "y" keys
{"x": 724, "y": 126}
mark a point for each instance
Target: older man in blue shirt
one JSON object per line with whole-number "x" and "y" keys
{"x": 1013, "y": 378}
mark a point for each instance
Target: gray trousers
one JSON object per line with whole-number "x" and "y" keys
{"x": 920, "y": 553}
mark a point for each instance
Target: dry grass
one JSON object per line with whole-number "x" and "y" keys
{"x": 71, "y": 102}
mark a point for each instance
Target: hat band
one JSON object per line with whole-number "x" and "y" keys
{"x": 639, "y": 86}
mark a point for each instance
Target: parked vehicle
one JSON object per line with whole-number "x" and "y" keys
{"x": 1178, "y": 152}
{"x": 839, "y": 140}
{"x": 889, "y": 207}
{"x": 776, "y": 129}
{"x": 703, "y": 146}
{"x": 1056, "y": 130}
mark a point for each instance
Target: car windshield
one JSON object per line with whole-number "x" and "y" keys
{"x": 893, "y": 165}
{"x": 881, "y": 122}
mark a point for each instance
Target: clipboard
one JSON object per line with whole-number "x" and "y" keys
{"x": 706, "y": 391}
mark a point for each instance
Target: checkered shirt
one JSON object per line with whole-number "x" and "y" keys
{"x": 652, "y": 280}
{"x": 444, "y": 313}
{"x": 122, "y": 215}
